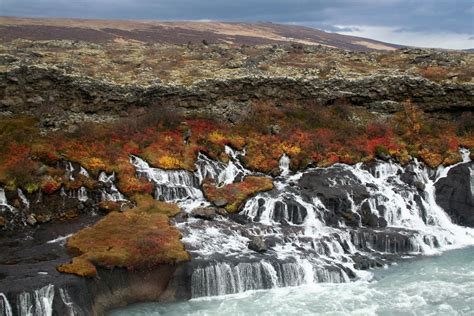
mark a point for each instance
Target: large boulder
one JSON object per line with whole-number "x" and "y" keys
{"x": 338, "y": 189}
{"x": 455, "y": 194}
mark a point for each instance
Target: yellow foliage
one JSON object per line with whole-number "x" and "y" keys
{"x": 168, "y": 162}
{"x": 94, "y": 163}
{"x": 216, "y": 137}
{"x": 290, "y": 150}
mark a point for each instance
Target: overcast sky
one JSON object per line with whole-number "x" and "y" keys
{"x": 428, "y": 23}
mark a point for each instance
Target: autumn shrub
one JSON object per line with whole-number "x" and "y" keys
{"x": 50, "y": 185}
{"x": 434, "y": 73}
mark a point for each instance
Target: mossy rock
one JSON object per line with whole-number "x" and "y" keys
{"x": 236, "y": 193}
{"x": 131, "y": 240}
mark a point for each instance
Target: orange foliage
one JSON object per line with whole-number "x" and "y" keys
{"x": 235, "y": 193}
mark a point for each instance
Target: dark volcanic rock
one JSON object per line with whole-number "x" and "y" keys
{"x": 455, "y": 194}
{"x": 335, "y": 187}
{"x": 28, "y": 262}
{"x": 70, "y": 99}
{"x": 207, "y": 213}
{"x": 257, "y": 244}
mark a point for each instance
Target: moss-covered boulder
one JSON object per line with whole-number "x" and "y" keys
{"x": 138, "y": 239}
{"x": 235, "y": 193}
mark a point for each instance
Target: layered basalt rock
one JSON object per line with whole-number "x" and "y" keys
{"x": 68, "y": 99}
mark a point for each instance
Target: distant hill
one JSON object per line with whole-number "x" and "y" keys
{"x": 178, "y": 32}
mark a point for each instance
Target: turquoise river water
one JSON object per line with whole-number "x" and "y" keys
{"x": 435, "y": 285}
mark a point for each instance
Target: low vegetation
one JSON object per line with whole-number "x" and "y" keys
{"x": 308, "y": 134}
{"x": 131, "y": 62}
{"x": 137, "y": 239}
{"x": 232, "y": 195}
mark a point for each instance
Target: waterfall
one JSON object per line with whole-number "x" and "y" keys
{"x": 219, "y": 171}
{"x": 70, "y": 171}
{"x": 170, "y": 185}
{"x": 5, "y": 306}
{"x": 224, "y": 278}
{"x": 319, "y": 225}
{"x": 82, "y": 195}
{"x": 110, "y": 192}
{"x": 23, "y": 198}
{"x": 25, "y": 306}
{"x": 37, "y": 303}
{"x": 44, "y": 300}
{"x": 284, "y": 165}
{"x": 71, "y": 307}
{"x": 84, "y": 172}
{"x": 3, "y": 201}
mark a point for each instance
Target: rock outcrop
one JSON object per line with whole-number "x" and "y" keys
{"x": 455, "y": 194}
{"x": 64, "y": 99}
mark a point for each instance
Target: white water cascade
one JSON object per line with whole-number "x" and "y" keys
{"x": 3, "y": 201}
{"x": 5, "y": 305}
{"x": 380, "y": 217}
{"x": 222, "y": 173}
{"x": 110, "y": 191}
{"x": 170, "y": 185}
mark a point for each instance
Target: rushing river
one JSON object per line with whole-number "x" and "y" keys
{"x": 436, "y": 285}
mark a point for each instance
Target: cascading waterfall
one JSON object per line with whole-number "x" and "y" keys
{"x": 284, "y": 165}
{"x": 71, "y": 307}
{"x": 3, "y": 201}
{"x": 37, "y": 303}
{"x": 23, "y": 198}
{"x": 170, "y": 185}
{"x": 305, "y": 245}
{"x": 5, "y": 306}
{"x": 220, "y": 172}
{"x": 44, "y": 300}
{"x": 10, "y": 213}
{"x": 110, "y": 192}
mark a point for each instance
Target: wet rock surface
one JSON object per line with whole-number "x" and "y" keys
{"x": 321, "y": 225}
{"x": 257, "y": 244}
{"x": 207, "y": 213}
{"x": 455, "y": 194}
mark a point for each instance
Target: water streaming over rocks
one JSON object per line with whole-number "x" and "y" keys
{"x": 110, "y": 191}
{"x": 320, "y": 225}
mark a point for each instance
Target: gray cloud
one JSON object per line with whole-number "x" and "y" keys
{"x": 453, "y": 16}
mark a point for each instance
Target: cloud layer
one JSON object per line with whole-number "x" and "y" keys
{"x": 412, "y": 18}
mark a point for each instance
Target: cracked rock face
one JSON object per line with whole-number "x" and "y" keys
{"x": 68, "y": 99}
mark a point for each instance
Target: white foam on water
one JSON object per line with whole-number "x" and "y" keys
{"x": 5, "y": 305}
{"x": 111, "y": 193}
{"x": 59, "y": 239}
{"x": 305, "y": 249}
{"x": 284, "y": 165}
{"x": 23, "y": 198}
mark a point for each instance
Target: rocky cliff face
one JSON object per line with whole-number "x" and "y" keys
{"x": 62, "y": 98}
